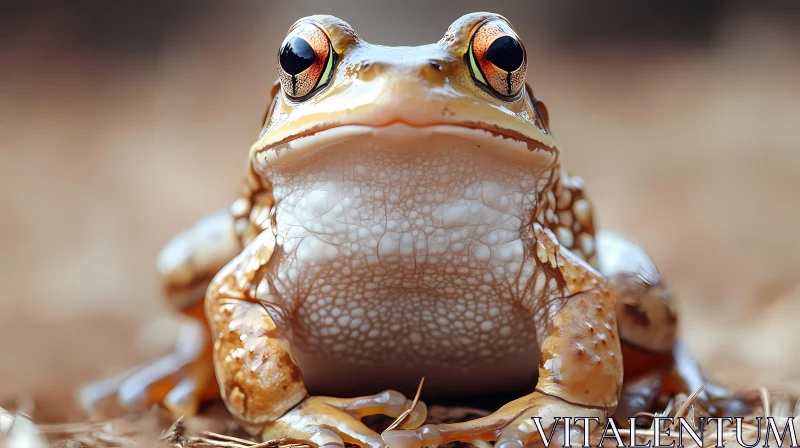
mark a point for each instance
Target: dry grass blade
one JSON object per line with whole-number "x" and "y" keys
{"x": 283, "y": 443}
{"x": 764, "y": 395}
{"x": 73, "y": 428}
{"x": 402, "y": 418}
{"x": 214, "y": 435}
{"x": 215, "y": 440}
{"x": 174, "y": 434}
{"x": 684, "y": 408}
{"x": 214, "y": 443}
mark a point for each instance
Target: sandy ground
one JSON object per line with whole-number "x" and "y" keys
{"x": 692, "y": 151}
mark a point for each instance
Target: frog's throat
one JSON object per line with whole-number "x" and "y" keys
{"x": 401, "y": 137}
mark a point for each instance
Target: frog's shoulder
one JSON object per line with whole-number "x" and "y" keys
{"x": 565, "y": 209}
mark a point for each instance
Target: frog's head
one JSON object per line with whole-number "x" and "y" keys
{"x": 468, "y": 86}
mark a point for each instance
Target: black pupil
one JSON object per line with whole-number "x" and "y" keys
{"x": 506, "y": 53}
{"x": 296, "y": 55}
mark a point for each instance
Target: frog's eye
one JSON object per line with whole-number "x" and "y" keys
{"x": 305, "y": 61}
{"x": 497, "y": 58}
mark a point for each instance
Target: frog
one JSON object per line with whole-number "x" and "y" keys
{"x": 405, "y": 214}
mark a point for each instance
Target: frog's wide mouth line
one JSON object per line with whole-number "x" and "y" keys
{"x": 310, "y": 144}
{"x": 535, "y": 145}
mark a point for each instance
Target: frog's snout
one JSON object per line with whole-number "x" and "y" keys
{"x": 428, "y": 70}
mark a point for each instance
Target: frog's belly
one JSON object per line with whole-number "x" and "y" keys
{"x": 386, "y": 325}
{"x": 463, "y": 343}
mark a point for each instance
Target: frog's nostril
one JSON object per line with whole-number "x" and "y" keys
{"x": 432, "y": 71}
{"x": 368, "y": 70}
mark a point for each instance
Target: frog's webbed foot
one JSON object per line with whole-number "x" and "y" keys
{"x": 179, "y": 380}
{"x": 512, "y": 426}
{"x": 330, "y": 422}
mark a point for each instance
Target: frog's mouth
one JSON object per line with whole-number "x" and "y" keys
{"x": 300, "y": 150}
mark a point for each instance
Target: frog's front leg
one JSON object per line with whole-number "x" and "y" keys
{"x": 259, "y": 379}
{"x": 580, "y": 369}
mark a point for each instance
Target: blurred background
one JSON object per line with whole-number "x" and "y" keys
{"x": 122, "y": 123}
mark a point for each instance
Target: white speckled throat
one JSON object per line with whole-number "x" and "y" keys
{"x": 443, "y": 176}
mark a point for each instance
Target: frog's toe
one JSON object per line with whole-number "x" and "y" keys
{"x": 180, "y": 380}
{"x": 426, "y": 435}
{"x": 476, "y": 432}
{"x": 512, "y": 426}
{"x": 325, "y": 438}
{"x": 186, "y": 396}
{"x": 519, "y": 433}
{"x": 327, "y": 421}
{"x": 334, "y": 433}
{"x": 389, "y": 402}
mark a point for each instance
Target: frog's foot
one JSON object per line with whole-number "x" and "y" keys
{"x": 512, "y": 426}
{"x": 330, "y": 422}
{"x": 180, "y": 380}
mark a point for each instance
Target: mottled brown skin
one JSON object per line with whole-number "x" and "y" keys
{"x": 568, "y": 303}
